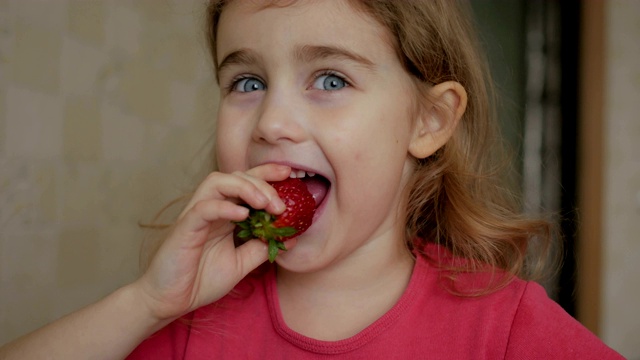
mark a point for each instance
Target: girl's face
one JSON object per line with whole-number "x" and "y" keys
{"x": 317, "y": 86}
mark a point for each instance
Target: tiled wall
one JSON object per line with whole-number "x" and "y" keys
{"x": 106, "y": 111}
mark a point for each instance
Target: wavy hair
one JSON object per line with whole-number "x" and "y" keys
{"x": 457, "y": 198}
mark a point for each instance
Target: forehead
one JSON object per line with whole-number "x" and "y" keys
{"x": 268, "y": 24}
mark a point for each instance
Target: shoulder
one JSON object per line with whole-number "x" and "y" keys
{"x": 474, "y": 325}
{"x": 514, "y": 321}
{"x": 542, "y": 329}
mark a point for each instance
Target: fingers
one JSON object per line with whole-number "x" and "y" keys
{"x": 201, "y": 243}
{"x": 250, "y": 255}
{"x": 265, "y": 193}
{"x": 217, "y": 198}
{"x": 270, "y": 172}
{"x": 203, "y": 213}
{"x": 260, "y": 175}
{"x": 249, "y": 187}
{"x": 255, "y": 252}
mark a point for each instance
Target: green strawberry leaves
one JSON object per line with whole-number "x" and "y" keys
{"x": 274, "y": 246}
{"x": 259, "y": 225}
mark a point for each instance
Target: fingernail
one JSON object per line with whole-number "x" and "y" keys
{"x": 262, "y": 198}
{"x": 278, "y": 204}
{"x": 243, "y": 211}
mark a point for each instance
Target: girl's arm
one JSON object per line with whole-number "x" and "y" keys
{"x": 108, "y": 329}
{"x": 197, "y": 264}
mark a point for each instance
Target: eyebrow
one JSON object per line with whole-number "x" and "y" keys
{"x": 305, "y": 53}
{"x": 239, "y": 57}
{"x": 309, "y": 53}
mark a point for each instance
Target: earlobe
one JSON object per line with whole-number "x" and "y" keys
{"x": 438, "y": 118}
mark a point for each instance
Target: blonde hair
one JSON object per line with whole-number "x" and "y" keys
{"x": 456, "y": 197}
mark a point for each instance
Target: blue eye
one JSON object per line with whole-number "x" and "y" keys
{"x": 248, "y": 85}
{"x": 329, "y": 82}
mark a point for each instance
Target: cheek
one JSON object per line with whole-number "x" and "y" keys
{"x": 374, "y": 139}
{"x": 222, "y": 157}
{"x": 229, "y": 151}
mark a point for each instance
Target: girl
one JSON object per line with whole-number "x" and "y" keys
{"x": 414, "y": 251}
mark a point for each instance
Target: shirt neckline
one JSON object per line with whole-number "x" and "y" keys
{"x": 345, "y": 345}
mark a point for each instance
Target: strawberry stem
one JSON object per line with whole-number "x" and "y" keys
{"x": 259, "y": 225}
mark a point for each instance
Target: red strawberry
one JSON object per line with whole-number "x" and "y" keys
{"x": 274, "y": 230}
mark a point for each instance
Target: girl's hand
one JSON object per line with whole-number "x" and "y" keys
{"x": 198, "y": 262}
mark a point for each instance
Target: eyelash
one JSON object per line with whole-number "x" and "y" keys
{"x": 332, "y": 73}
{"x": 232, "y": 84}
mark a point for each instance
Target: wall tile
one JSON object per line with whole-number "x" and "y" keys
{"x": 3, "y": 116}
{"x": 78, "y": 257}
{"x": 83, "y": 194}
{"x": 6, "y": 41}
{"x": 183, "y": 97}
{"x": 47, "y": 194}
{"x": 119, "y": 252}
{"x": 122, "y": 28}
{"x": 82, "y": 129}
{"x": 86, "y": 20}
{"x": 145, "y": 90}
{"x": 24, "y": 287}
{"x": 155, "y": 12}
{"x": 28, "y": 196}
{"x": 123, "y": 135}
{"x": 124, "y": 185}
{"x": 36, "y": 58}
{"x": 33, "y": 124}
{"x": 47, "y": 15}
{"x": 84, "y": 68}
{"x": 183, "y": 53}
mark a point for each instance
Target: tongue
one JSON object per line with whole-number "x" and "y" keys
{"x": 317, "y": 187}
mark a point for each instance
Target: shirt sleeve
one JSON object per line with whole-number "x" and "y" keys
{"x": 541, "y": 329}
{"x": 169, "y": 342}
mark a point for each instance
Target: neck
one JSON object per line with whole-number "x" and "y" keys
{"x": 327, "y": 304}
{"x": 359, "y": 272}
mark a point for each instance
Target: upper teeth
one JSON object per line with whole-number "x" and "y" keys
{"x": 300, "y": 174}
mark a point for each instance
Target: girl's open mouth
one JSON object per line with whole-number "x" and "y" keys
{"x": 317, "y": 184}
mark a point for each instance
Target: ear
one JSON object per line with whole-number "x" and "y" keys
{"x": 442, "y": 108}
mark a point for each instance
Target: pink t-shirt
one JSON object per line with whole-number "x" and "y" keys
{"x": 515, "y": 322}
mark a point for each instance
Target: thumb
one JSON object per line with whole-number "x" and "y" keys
{"x": 254, "y": 252}
{"x": 250, "y": 255}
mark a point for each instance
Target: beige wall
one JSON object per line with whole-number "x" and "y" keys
{"x": 620, "y": 318}
{"x": 105, "y": 107}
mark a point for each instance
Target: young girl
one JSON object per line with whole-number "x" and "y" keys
{"x": 414, "y": 250}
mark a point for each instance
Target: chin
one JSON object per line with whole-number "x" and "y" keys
{"x": 300, "y": 259}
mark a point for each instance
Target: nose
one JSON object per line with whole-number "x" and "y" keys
{"x": 280, "y": 120}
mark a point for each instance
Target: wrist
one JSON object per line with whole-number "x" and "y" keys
{"x": 134, "y": 297}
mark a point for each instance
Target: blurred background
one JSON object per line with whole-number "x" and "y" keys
{"x": 107, "y": 112}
